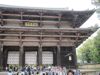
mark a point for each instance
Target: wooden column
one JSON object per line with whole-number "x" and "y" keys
{"x": 76, "y": 41}
{"x": 21, "y": 53}
{"x": 40, "y": 55}
{"x": 59, "y": 50}
{"x": 21, "y": 57}
{"x": 5, "y": 57}
{"x": 58, "y": 55}
{"x": 1, "y": 18}
{"x": 54, "y": 56}
{"x": 40, "y": 50}
{"x": 21, "y": 18}
{"x": 74, "y": 50}
{"x": 41, "y": 14}
{"x": 1, "y": 54}
{"x": 74, "y": 56}
{"x": 74, "y": 20}
{"x": 59, "y": 20}
{"x": 21, "y": 15}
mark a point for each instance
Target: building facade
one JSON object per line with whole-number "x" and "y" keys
{"x": 41, "y": 36}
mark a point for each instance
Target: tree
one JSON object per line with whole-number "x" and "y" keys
{"x": 90, "y": 50}
{"x": 96, "y": 50}
{"x": 84, "y": 52}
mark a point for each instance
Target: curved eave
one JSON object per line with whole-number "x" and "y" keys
{"x": 70, "y": 15}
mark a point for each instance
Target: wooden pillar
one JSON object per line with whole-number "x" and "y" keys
{"x": 21, "y": 53}
{"x": 59, "y": 50}
{"x": 59, "y": 20}
{"x": 58, "y": 55}
{"x": 74, "y": 20}
{"x": 41, "y": 14}
{"x": 74, "y": 50}
{"x": 21, "y": 18}
{"x": 1, "y": 54}
{"x": 39, "y": 55}
{"x": 54, "y": 56}
{"x": 5, "y": 57}
{"x": 74, "y": 56}
{"x": 40, "y": 50}
{"x": 1, "y": 18}
{"x": 21, "y": 57}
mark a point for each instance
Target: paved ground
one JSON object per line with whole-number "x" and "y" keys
{"x": 5, "y": 73}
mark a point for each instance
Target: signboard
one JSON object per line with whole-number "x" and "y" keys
{"x": 31, "y": 24}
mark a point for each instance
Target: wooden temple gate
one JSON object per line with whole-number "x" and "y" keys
{"x": 26, "y": 31}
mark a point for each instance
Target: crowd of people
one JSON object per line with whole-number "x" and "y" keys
{"x": 40, "y": 70}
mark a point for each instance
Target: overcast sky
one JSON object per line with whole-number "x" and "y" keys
{"x": 75, "y": 4}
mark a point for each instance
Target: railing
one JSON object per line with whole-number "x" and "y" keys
{"x": 89, "y": 69}
{"x": 90, "y": 66}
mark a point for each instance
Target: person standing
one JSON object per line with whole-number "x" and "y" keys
{"x": 10, "y": 72}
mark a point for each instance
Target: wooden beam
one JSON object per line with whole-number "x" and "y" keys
{"x": 74, "y": 30}
{"x": 9, "y": 34}
{"x": 38, "y": 16}
{"x": 43, "y": 35}
{"x": 10, "y": 40}
{"x": 28, "y": 40}
{"x": 35, "y": 21}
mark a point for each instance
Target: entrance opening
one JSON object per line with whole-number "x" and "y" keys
{"x": 48, "y": 55}
{"x": 30, "y": 55}
{"x": 31, "y": 58}
{"x": 13, "y": 58}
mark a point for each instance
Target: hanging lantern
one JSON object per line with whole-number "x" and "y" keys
{"x": 70, "y": 58}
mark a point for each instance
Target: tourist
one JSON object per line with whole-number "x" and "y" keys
{"x": 77, "y": 72}
{"x": 10, "y": 72}
{"x": 6, "y": 68}
{"x": 70, "y": 72}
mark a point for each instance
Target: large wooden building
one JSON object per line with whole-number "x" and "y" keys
{"x": 41, "y": 36}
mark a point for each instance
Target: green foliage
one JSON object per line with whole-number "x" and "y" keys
{"x": 90, "y": 51}
{"x": 84, "y": 52}
{"x": 96, "y": 48}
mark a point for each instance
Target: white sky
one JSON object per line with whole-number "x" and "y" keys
{"x": 91, "y": 21}
{"x": 75, "y": 4}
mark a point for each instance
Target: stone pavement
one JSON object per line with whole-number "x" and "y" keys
{"x": 3, "y": 73}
